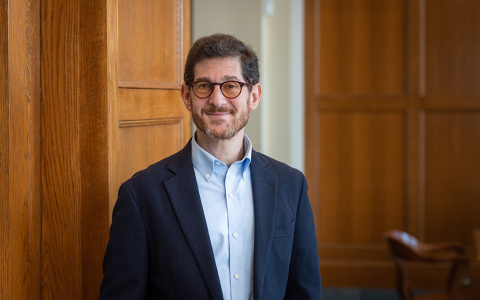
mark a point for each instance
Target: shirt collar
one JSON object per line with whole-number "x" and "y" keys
{"x": 205, "y": 163}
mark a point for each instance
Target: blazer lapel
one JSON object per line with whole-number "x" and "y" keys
{"x": 185, "y": 199}
{"x": 264, "y": 186}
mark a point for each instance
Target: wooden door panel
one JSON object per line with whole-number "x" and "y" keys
{"x": 158, "y": 141}
{"x": 150, "y": 104}
{"x": 150, "y": 48}
{"x": 361, "y": 176}
{"x": 150, "y": 43}
{"x": 452, "y": 60}
{"x": 392, "y": 130}
{"x": 452, "y": 177}
{"x": 361, "y": 47}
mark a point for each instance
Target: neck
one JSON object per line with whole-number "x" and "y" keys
{"x": 227, "y": 151}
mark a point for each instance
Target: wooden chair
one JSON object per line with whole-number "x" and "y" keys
{"x": 404, "y": 247}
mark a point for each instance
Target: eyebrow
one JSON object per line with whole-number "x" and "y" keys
{"x": 225, "y": 78}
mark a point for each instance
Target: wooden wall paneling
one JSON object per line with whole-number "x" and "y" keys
{"x": 452, "y": 62}
{"x": 361, "y": 37}
{"x": 356, "y": 125}
{"x": 410, "y": 67}
{"x": 448, "y": 105}
{"x": 362, "y": 167}
{"x": 152, "y": 43}
{"x": 452, "y": 175}
{"x": 148, "y": 104}
{"x": 413, "y": 136}
{"x": 74, "y": 147}
{"x": 186, "y": 27}
{"x": 5, "y": 279}
{"x": 451, "y": 121}
{"x": 57, "y": 176}
{"x": 94, "y": 138}
{"x": 161, "y": 139}
{"x": 362, "y": 171}
{"x": 20, "y": 269}
{"x": 112, "y": 84}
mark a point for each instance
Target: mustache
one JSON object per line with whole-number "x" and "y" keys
{"x": 212, "y": 110}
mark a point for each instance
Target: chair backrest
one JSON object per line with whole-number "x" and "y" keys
{"x": 405, "y": 247}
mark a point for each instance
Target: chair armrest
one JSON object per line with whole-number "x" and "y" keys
{"x": 458, "y": 247}
{"x": 456, "y": 258}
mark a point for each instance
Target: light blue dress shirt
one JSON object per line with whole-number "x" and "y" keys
{"x": 227, "y": 200}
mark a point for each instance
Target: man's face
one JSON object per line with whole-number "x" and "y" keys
{"x": 218, "y": 117}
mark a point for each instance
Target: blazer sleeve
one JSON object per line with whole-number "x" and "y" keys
{"x": 304, "y": 274}
{"x": 125, "y": 264}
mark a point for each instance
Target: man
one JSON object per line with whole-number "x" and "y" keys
{"x": 216, "y": 220}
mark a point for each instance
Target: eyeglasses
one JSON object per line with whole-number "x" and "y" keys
{"x": 230, "y": 89}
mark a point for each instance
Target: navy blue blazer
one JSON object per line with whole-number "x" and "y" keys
{"x": 159, "y": 247}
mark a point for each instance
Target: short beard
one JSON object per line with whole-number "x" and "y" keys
{"x": 230, "y": 132}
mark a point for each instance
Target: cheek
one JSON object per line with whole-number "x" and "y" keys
{"x": 196, "y": 107}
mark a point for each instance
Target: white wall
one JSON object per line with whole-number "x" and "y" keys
{"x": 274, "y": 29}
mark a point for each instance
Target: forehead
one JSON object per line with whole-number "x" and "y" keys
{"x": 219, "y": 68}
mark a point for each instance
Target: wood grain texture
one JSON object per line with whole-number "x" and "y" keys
{"x": 362, "y": 47}
{"x": 151, "y": 121}
{"x": 57, "y": 174}
{"x": 392, "y": 124}
{"x": 5, "y": 279}
{"x": 452, "y": 175}
{"x": 20, "y": 275}
{"x": 158, "y": 141}
{"x": 356, "y": 126}
{"x": 138, "y": 104}
{"x": 361, "y": 168}
{"x": 452, "y": 63}
{"x": 150, "y": 43}
{"x": 112, "y": 84}
{"x": 186, "y": 35}
{"x": 74, "y": 148}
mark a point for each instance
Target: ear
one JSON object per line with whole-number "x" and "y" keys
{"x": 187, "y": 100}
{"x": 255, "y": 96}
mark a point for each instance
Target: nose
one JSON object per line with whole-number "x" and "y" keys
{"x": 217, "y": 98}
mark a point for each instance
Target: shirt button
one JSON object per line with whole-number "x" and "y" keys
{"x": 235, "y": 235}
{"x": 230, "y": 195}
{"x": 207, "y": 175}
{"x": 218, "y": 163}
{"x": 237, "y": 276}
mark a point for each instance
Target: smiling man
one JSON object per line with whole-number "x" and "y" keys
{"x": 217, "y": 220}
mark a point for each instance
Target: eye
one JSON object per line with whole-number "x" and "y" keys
{"x": 202, "y": 85}
{"x": 230, "y": 85}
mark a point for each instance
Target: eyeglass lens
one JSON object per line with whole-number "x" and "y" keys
{"x": 230, "y": 89}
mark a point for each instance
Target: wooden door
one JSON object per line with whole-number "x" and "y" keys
{"x": 110, "y": 80}
{"x": 392, "y": 130}
{"x": 79, "y": 115}
{"x": 152, "y": 39}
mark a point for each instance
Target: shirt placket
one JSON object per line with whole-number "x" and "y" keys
{"x": 234, "y": 231}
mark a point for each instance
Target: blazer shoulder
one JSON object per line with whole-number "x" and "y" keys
{"x": 284, "y": 173}
{"x": 276, "y": 166}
